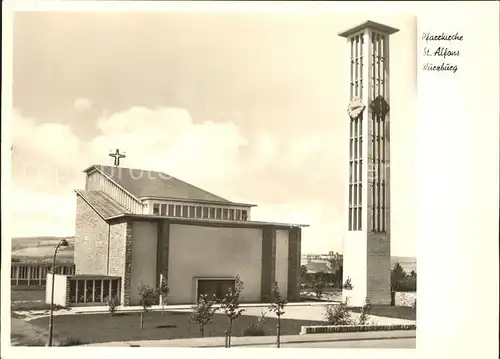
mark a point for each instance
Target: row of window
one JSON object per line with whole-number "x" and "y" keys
{"x": 355, "y": 218}
{"x": 205, "y": 212}
{"x": 93, "y": 290}
{"x": 35, "y": 272}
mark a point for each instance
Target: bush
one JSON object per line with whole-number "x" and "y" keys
{"x": 348, "y": 284}
{"x": 254, "y": 330}
{"x": 257, "y": 329}
{"x": 70, "y": 341}
{"x": 338, "y": 314}
{"x": 113, "y": 303}
{"x": 202, "y": 313}
{"x": 365, "y": 310}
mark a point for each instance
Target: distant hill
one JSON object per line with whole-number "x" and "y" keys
{"x": 408, "y": 264}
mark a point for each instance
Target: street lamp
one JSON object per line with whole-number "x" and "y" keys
{"x": 62, "y": 243}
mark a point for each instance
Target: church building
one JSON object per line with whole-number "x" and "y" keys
{"x": 138, "y": 226}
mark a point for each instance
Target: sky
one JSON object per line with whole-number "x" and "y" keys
{"x": 251, "y": 107}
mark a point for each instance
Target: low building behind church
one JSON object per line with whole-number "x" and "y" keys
{"x": 135, "y": 226}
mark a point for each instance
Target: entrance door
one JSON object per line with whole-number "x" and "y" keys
{"x": 214, "y": 288}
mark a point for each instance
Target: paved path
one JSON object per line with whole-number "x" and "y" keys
{"x": 393, "y": 339}
{"x": 302, "y": 311}
{"x": 24, "y": 333}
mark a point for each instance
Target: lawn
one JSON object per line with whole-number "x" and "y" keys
{"x": 390, "y": 312}
{"x": 27, "y": 295}
{"x": 101, "y": 328}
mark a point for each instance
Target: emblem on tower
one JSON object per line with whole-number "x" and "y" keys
{"x": 380, "y": 106}
{"x": 355, "y": 107}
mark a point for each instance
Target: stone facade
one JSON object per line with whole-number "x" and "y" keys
{"x": 116, "y": 260}
{"x": 128, "y": 266}
{"x": 378, "y": 268}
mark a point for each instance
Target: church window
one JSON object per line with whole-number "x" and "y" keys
{"x": 219, "y": 213}
{"x": 198, "y": 212}
{"x": 205, "y": 212}
{"x": 171, "y": 210}
{"x": 238, "y": 214}
{"x": 359, "y": 219}
{"x": 244, "y": 215}
{"x": 225, "y": 213}
{"x": 178, "y": 208}
{"x": 163, "y": 211}
{"x": 156, "y": 209}
{"x": 185, "y": 211}
{"x": 212, "y": 212}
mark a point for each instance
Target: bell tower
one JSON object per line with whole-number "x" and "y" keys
{"x": 367, "y": 243}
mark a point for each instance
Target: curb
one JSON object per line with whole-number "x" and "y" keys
{"x": 323, "y": 329}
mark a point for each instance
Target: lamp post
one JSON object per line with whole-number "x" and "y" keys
{"x": 62, "y": 243}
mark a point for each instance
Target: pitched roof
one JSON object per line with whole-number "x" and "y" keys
{"x": 104, "y": 205}
{"x": 143, "y": 183}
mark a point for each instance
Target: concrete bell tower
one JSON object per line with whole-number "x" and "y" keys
{"x": 367, "y": 243}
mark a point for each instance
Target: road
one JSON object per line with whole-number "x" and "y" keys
{"x": 399, "y": 343}
{"x": 391, "y": 339}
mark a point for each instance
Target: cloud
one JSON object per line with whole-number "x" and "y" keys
{"x": 286, "y": 176}
{"x": 82, "y": 104}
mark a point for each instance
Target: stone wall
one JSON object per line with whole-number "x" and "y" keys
{"x": 91, "y": 240}
{"x": 405, "y": 299}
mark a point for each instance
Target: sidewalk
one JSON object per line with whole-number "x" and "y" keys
{"x": 256, "y": 341}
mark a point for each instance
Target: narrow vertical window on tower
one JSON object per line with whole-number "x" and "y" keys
{"x": 352, "y": 69}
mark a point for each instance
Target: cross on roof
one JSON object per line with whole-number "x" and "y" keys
{"x": 117, "y": 156}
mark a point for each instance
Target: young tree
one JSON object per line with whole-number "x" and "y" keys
{"x": 277, "y": 306}
{"x": 398, "y": 274}
{"x": 348, "y": 284}
{"x": 319, "y": 284}
{"x": 304, "y": 275}
{"x": 163, "y": 291}
{"x": 203, "y": 312}
{"x": 113, "y": 302}
{"x": 335, "y": 262}
{"x": 148, "y": 296}
{"x": 230, "y": 304}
